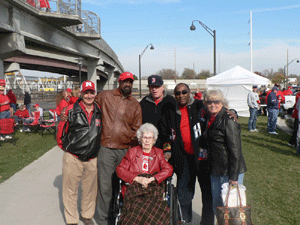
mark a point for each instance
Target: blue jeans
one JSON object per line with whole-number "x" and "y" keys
{"x": 5, "y": 114}
{"x": 14, "y": 106}
{"x": 272, "y": 119}
{"x": 28, "y": 108}
{"x": 252, "y": 118}
{"x": 216, "y": 187}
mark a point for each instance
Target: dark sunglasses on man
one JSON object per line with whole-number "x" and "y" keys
{"x": 184, "y": 92}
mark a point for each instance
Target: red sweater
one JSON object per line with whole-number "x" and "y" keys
{"x": 22, "y": 114}
{"x": 4, "y": 98}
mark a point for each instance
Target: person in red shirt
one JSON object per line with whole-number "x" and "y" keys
{"x": 21, "y": 114}
{"x": 4, "y": 107}
{"x": 12, "y": 99}
{"x": 198, "y": 94}
{"x": 62, "y": 101}
{"x": 288, "y": 91}
{"x": 44, "y": 5}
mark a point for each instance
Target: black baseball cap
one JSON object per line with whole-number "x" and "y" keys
{"x": 155, "y": 80}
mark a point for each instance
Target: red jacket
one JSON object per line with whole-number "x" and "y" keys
{"x": 131, "y": 165}
{"x": 44, "y": 4}
{"x": 4, "y": 98}
{"x": 11, "y": 96}
{"x": 295, "y": 113}
{"x": 288, "y": 92}
{"x": 63, "y": 103}
{"x": 22, "y": 114}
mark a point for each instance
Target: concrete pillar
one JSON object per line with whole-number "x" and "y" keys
{"x": 111, "y": 80}
{"x": 91, "y": 71}
{"x": 1, "y": 69}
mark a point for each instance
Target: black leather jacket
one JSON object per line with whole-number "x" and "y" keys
{"x": 223, "y": 140}
{"x": 83, "y": 139}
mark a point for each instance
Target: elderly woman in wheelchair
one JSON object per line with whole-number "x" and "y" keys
{"x": 144, "y": 168}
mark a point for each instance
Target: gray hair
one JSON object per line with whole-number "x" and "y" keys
{"x": 147, "y": 127}
{"x": 215, "y": 94}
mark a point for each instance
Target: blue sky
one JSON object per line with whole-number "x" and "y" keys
{"x": 128, "y": 26}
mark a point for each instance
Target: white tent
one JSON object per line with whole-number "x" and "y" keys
{"x": 235, "y": 84}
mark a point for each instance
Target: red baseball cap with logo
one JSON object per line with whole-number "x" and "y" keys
{"x": 69, "y": 90}
{"x": 36, "y": 105}
{"x": 125, "y": 76}
{"x": 87, "y": 85}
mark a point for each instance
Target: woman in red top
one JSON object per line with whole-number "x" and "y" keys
{"x": 21, "y": 114}
{"x": 62, "y": 101}
{"x": 138, "y": 161}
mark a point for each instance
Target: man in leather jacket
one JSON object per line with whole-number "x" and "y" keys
{"x": 182, "y": 127}
{"x": 79, "y": 137}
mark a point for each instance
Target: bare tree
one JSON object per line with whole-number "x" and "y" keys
{"x": 204, "y": 74}
{"x": 167, "y": 73}
{"x": 188, "y": 74}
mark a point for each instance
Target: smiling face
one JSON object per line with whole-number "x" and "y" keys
{"x": 214, "y": 105}
{"x": 88, "y": 97}
{"x": 157, "y": 92}
{"x": 182, "y": 95}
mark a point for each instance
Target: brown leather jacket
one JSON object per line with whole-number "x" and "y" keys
{"x": 121, "y": 118}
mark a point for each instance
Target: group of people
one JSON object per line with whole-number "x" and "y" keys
{"x": 112, "y": 134}
{"x": 8, "y": 109}
{"x": 273, "y": 99}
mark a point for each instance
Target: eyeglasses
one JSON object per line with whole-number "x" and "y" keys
{"x": 184, "y": 92}
{"x": 215, "y": 102}
{"x": 147, "y": 138}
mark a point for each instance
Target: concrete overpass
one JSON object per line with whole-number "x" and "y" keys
{"x": 49, "y": 41}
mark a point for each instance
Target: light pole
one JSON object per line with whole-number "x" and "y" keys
{"x": 80, "y": 66}
{"x": 286, "y": 75}
{"x": 213, "y": 34}
{"x": 140, "y": 75}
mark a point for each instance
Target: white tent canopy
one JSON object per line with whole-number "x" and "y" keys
{"x": 235, "y": 84}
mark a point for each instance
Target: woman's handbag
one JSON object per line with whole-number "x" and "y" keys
{"x": 239, "y": 215}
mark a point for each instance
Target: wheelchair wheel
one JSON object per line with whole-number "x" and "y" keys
{"x": 174, "y": 206}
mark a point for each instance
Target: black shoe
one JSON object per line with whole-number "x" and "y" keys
{"x": 86, "y": 221}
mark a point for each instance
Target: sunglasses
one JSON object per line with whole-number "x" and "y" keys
{"x": 215, "y": 102}
{"x": 184, "y": 92}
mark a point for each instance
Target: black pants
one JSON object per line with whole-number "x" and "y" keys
{"x": 293, "y": 140}
{"x": 186, "y": 172}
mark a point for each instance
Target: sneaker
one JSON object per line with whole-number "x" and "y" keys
{"x": 8, "y": 137}
{"x": 255, "y": 130}
{"x": 21, "y": 130}
{"x": 273, "y": 133}
{"x": 27, "y": 130}
{"x": 2, "y": 138}
{"x": 251, "y": 130}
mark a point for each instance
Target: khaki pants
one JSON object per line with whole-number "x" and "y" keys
{"x": 75, "y": 170}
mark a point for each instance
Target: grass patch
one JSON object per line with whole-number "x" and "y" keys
{"x": 273, "y": 176}
{"x": 23, "y": 149}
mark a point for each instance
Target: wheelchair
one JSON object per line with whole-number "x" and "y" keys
{"x": 170, "y": 196}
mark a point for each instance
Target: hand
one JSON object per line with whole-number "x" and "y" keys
{"x": 167, "y": 156}
{"x": 233, "y": 182}
{"x": 232, "y": 115}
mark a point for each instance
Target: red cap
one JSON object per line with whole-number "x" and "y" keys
{"x": 35, "y": 105}
{"x": 69, "y": 90}
{"x": 87, "y": 85}
{"x": 125, "y": 76}
{"x": 2, "y": 82}
{"x": 290, "y": 87}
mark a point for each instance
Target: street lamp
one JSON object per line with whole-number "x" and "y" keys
{"x": 286, "y": 75}
{"x": 140, "y": 56}
{"x": 213, "y": 34}
{"x": 80, "y": 66}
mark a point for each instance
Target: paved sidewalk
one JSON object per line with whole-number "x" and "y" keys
{"x": 34, "y": 195}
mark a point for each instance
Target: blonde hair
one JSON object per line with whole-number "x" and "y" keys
{"x": 215, "y": 94}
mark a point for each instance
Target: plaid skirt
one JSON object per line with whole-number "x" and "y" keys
{"x": 145, "y": 206}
